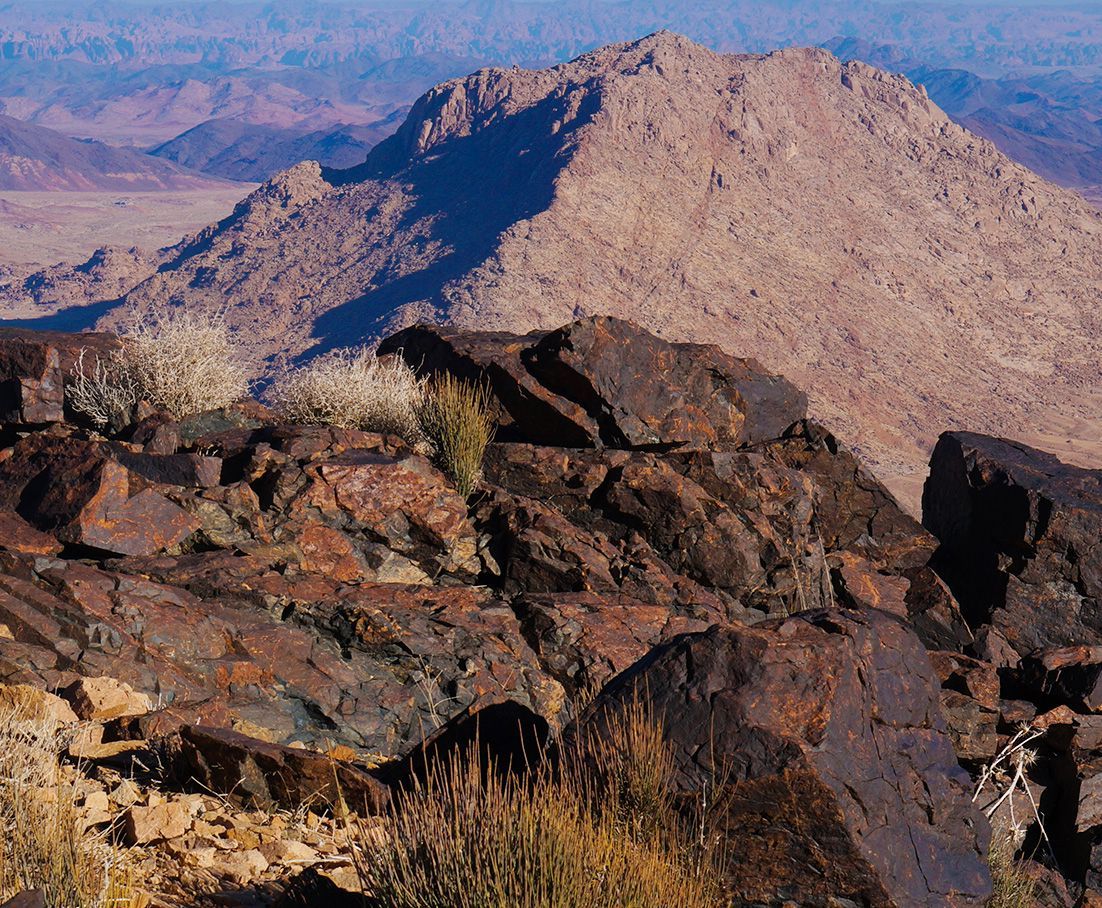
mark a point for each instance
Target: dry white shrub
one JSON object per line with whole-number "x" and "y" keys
{"x": 104, "y": 392}
{"x": 185, "y": 362}
{"x": 354, "y": 390}
{"x": 179, "y": 361}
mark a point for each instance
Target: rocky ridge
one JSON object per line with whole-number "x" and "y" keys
{"x": 688, "y": 191}
{"x": 319, "y": 604}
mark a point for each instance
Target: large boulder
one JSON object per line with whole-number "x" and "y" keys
{"x": 90, "y": 494}
{"x": 1019, "y": 534}
{"x": 819, "y": 744}
{"x": 604, "y": 381}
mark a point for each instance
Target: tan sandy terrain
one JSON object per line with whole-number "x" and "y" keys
{"x": 826, "y": 218}
{"x": 41, "y": 228}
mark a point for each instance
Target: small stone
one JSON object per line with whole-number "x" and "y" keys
{"x": 33, "y": 704}
{"x": 106, "y": 698}
{"x": 201, "y": 856}
{"x": 97, "y": 801}
{"x": 169, "y": 820}
{"x": 126, "y": 794}
{"x": 285, "y": 851}
{"x": 243, "y": 867}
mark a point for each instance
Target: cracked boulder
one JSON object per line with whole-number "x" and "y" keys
{"x": 603, "y": 381}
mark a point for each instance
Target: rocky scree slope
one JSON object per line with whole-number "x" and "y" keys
{"x": 289, "y": 596}
{"x": 823, "y": 217}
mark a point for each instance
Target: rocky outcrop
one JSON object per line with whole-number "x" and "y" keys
{"x": 283, "y": 612}
{"x": 592, "y": 383}
{"x": 34, "y": 367}
{"x": 1019, "y": 533}
{"x": 819, "y": 742}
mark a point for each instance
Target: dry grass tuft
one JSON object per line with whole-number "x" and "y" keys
{"x": 42, "y": 844}
{"x": 354, "y": 390}
{"x": 457, "y": 419}
{"x": 1012, "y": 886}
{"x": 599, "y": 832}
{"x": 179, "y": 361}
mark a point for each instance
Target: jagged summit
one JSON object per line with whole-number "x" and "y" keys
{"x": 826, "y": 218}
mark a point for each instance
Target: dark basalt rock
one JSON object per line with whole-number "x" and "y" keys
{"x": 86, "y": 494}
{"x": 34, "y": 369}
{"x": 31, "y": 390}
{"x": 319, "y": 587}
{"x": 821, "y": 745}
{"x": 605, "y": 382}
{"x": 1019, "y": 535}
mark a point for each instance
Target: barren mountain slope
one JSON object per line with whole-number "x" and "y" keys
{"x": 35, "y": 158}
{"x": 237, "y": 150}
{"x": 825, "y": 218}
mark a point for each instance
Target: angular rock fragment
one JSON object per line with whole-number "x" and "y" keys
{"x": 267, "y": 775}
{"x": 1019, "y": 535}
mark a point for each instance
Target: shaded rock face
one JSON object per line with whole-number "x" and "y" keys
{"x": 1019, "y": 534}
{"x": 34, "y": 366}
{"x": 1019, "y": 546}
{"x": 820, "y": 743}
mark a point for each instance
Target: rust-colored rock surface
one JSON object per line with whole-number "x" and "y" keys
{"x": 820, "y": 743}
{"x": 605, "y": 381}
{"x": 268, "y": 604}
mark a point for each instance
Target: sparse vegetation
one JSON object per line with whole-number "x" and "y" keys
{"x": 1012, "y": 887}
{"x": 354, "y": 390}
{"x": 601, "y": 831}
{"x": 1001, "y": 781}
{"x": 457, "y": 419}
{"x": 181, "y": 362}
{"x": 103, "y": 392}
{"x": 42, "y": 845}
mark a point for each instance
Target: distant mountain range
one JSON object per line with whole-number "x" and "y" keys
{"x": 34, "y": 158}
{"x": 237, "y": 150}
{"x": 826, "y": 218}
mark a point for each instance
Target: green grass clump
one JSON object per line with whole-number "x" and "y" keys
{"x": 1012, "y": 887}
{"x": 457, "y": 419}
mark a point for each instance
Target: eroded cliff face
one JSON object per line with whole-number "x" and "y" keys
{"x": 825, "y": 218}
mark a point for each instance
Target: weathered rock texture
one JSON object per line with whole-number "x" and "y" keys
{"x": 819, "y": 742}
{"x": 688, "y": 191}
{"x": 296, "y": 612}
{"x": 1020, "y": 539}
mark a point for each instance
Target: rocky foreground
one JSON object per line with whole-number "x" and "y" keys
{"x": 247, "y": 617}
